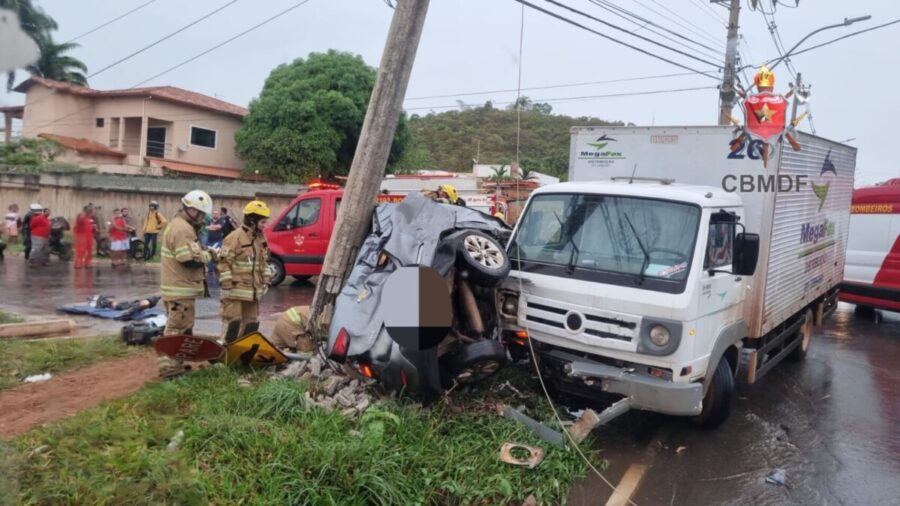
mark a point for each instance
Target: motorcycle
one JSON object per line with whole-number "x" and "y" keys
{"x": 57, "y": 244}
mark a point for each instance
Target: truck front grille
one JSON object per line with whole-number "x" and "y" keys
{"x": 598, "y": 325}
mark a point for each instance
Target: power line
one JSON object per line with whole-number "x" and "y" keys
{"x": 779, "y": 44}
{"x": 832, "y": 41}
{"x": 646, "y": 39}
{"x": 217, "y": 46}
{"x": 169, "y": 36}
{"x": 613, "y": 39}
{"x": 575, "y": 99}
{"x": 688, "y": 28}
{"x": 111, "y": 21}
{"x": 615, "y": 8}
{"x": 709, "y": 11}
{"x": 552, "y": 86}
{"x": 651, "y": 27}
{"x": 679, "y": 16}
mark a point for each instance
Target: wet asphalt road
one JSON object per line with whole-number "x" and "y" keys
{"x": 41, "y": 291}
{"x": 832, "y": 422}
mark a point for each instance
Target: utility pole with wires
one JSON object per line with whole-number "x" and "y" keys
{"x": 727, "y": 93}
{"x": 370, "y": 159}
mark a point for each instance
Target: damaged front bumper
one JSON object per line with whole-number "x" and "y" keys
{"x": 641, "y": 391}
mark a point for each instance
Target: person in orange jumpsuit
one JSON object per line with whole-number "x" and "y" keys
{"x": 84, "y": 237}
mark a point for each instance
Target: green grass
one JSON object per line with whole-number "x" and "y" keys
{"x": 263, "y": 445}
{"x": 23, "y": 358}
{"x": 10, "y": 318}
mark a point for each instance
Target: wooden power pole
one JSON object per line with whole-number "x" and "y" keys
{"x": 727, "y": 94}
{"x": 370, "y": 159}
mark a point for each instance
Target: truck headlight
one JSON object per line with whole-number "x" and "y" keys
{"x": 509, "y": 304}
{"x": 659, "y": 335}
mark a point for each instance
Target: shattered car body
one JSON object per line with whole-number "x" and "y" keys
{"x": 465, "y": 248}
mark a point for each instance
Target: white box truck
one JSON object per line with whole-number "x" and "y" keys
{"x": 670, "y": 259}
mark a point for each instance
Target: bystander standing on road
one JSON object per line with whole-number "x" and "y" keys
{"x": 12, "y": 223}
{"x": 153, "y": 225}
{"x": 118, "y": 235}
{"x": 26, "y": 227}
{"x": 228, "y": 223}
{"x": 84, "y": 237}
{"x": 214, "y": 235}
{"x": 40, "y": 237}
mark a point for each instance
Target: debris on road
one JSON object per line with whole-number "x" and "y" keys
{"x": 584, "y": 425}
{"x": 535, "y": 455}
{"x": 776, "y": 478}
{"x": 37, "y": 378}
{"x": 330, "y": 390}
{"x": 540, "y": 430}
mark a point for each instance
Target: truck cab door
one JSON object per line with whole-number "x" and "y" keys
{"x": 722, "y": 293}
{"x": 300, "y": 237}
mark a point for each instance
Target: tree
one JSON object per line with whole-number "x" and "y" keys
{"x": 525, "y": 174}
{"x": 56, "y": 64}
{"x": 500, "y": 173}
{"x": 307, "y": 119}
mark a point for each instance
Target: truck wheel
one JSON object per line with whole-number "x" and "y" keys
{"x": 276, "y": 268}
{"x": 799, "y": 353}
{"x": 476, "y": 361}
{"x": 718, "y": 398}
{"x": 483, "y": 258}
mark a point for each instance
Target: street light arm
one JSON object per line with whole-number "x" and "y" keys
{"x": 847, "y": 22}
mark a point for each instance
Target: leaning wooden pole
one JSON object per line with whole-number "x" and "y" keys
{"x": 370, "y": 159}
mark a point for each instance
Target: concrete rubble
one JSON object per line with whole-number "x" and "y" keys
{"x": 330, "y": 389}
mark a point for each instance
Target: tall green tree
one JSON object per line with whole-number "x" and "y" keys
{"x": 307, "y": 119}
{"x": 54, "y": 63}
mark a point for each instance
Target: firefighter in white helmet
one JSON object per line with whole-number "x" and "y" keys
{"x": 243, "y": 271}
{"x": 182, "y": 271}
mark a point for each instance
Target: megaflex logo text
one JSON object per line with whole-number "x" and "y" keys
{"x": 599, "y": 149}
{"x": 818, "y": 235}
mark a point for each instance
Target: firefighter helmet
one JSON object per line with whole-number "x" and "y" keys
{"x": 451, "y": 192}
{"x": 199, "y": 200}
{"x": 257, "y": 207}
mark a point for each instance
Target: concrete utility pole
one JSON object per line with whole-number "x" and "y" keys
{"x": 370, "y": 159}
{"x": 727, "y": 94}
{"x": 798, "y": 88}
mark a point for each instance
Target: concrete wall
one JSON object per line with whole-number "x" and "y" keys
{"x": 65, "y": 114}
{"x": 66, "y": 194}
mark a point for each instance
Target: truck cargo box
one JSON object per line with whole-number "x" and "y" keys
{"x": 799, "y": 202}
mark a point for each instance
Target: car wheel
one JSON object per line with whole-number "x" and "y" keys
{"x": 276, "y": 268}
{"x": 718, "y": 398}
{"x": 805, "y": 334}
{"x": 476, "y": 361}
{"x": 483, "y": 258}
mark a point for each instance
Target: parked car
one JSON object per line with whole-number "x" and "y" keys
{"x": 298, "y": 237}
{"x": 872, "y": 269}
{"x": 464, "y": 249}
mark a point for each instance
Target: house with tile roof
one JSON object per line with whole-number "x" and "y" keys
{"x": 135, "y": 130}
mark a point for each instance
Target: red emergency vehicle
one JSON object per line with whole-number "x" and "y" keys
{"x": 872, "y": 268}
{"x": 298, "y": 237}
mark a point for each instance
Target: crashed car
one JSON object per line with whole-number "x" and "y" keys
{"x": 417, "y": 311}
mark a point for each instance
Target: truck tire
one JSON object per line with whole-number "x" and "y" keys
{"x": 476, "y": 361}
{"x": 718, "y": 398}
{"x": 277, "y": 268}
{"x": 483, "y": 258}
{"x": 799, "y": 353}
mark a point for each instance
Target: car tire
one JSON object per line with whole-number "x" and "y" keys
{"x": 277, "y": 267}
{"x": 719, "y": 397}
{"x": 483, "y": 258}
{"x": 476, "y": 361}
{"x": 798, "y": 354}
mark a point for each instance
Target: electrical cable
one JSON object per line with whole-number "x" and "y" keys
{"x": 646, "y": 39}
{"x": 688, "y": 28}
{"x": 652, "y": 27}
{"x": 613, "y": 39}
{"x": 575, "y": 99}
{"x": 832, "y": 41}
{"x": 111, "y": 21}
{"x": 553, "y": 86}
{"x": 537, "y": 368}
{"x": 711, "y": 12}
{"x": 606, "y": 4}
{"x": 169, "y": 36}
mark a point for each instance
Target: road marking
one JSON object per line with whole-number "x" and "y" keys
{"x": 627, "y": 485}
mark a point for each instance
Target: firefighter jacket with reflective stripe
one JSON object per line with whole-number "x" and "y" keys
{"x": 243, "y": 265}
{"x": 182, "y": 261}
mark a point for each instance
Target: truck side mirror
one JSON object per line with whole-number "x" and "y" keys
{"x": 746, "y": 253}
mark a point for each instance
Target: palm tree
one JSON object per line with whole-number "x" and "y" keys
{"x": 34, "y": 23}
{"x": 55, "y": 64}
{"x": 500, "y": 173}
{"x": 526, "y": 174}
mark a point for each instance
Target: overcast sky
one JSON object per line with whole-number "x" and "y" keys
{"x": 472, "y": 45}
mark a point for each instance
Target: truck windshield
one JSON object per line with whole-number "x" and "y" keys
{"x": 608, "y": 234}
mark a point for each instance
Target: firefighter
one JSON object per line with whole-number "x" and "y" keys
{"x": 243, "y": 271}
{"x": 182, "y": 271}
{"x": 290, "y": 331}
{"x": 447, "y": 193}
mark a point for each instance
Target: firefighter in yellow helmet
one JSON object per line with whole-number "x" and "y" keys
{"x": 764, "y": 79}
{"x": 182, "y": 268}
{"x": 447, "y": 193}
{"x": 243, "y": 271}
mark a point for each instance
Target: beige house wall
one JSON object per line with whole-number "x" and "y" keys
{"x": 65, "y": 114}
